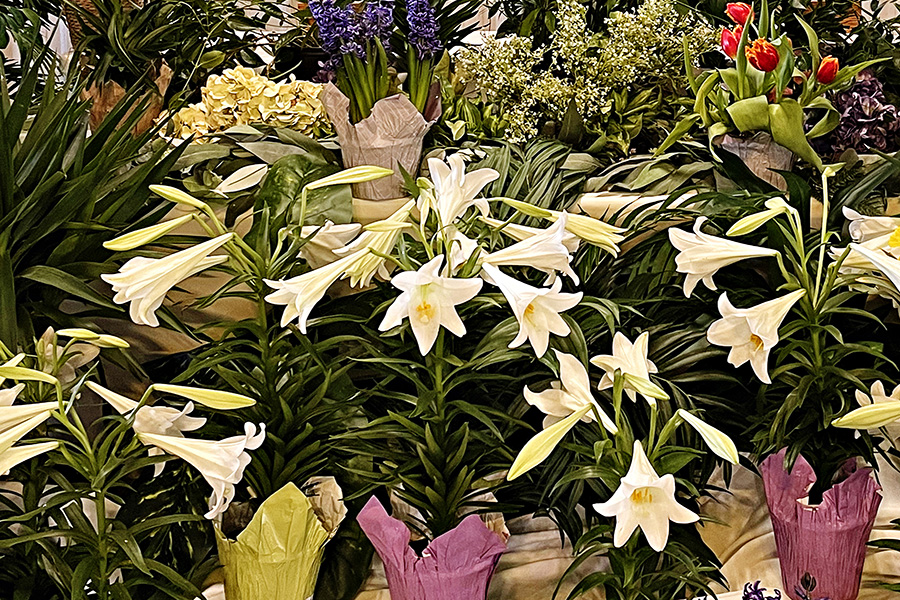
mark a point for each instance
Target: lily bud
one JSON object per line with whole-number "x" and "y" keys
{"x": 739, "y": 12}
{"x": 762, "y": 55}
{"x": 731, "y": 40}
{"x": 828, "y": 70}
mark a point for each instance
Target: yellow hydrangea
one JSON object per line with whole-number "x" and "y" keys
{"x": 240, "y": 96}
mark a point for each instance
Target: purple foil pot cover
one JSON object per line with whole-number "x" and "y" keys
{"x": 828, "y": 541}
{"x": 457, "y": 565}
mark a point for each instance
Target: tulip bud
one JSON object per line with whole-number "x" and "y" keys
{"x": 739, "y": 12}
{"x": 828, "y": 70}
{"x": 731, "y": 40}
{"x": 762, "y": 55}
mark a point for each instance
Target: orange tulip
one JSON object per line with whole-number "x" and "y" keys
{"x": 762, "y": 55}
{"x": 828, "y": 70}
{"x": 739, "y": 12}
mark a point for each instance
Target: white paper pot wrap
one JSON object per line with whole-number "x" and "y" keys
{"x": 277, "y": 557}
{"x": 391, "y": 136}
{"x": 761, "y": 155}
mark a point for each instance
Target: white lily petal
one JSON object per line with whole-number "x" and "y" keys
{"x": 722, "y": 445}
{"x": 19, "y": 454}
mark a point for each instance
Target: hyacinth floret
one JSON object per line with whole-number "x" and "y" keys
{"x": 423, "y": 28}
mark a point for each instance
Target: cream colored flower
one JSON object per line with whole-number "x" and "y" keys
{"x": 429, "y": 301}
{"x": 631, "y": 360}
{"x": 645, "y": 500}
{"x": 520, "y": 233}
{"x": 536, "y": 309}
{"x": 702, "y": 255}
{"x": 751, "y": 332}
{"x": 144, "y": 282}
{"x": 376, "y": 241}
{"x": 220, "y": 462}
{"x": 456, "y": 190}
{"x": 319, "y": 250}
{"x": 544, "y": 251}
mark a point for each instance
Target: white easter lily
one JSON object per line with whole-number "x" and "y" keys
{"x": 877, "y": 410}
{"x": 631, "y": 359}
{"x": 882, "y": 261}
{"x": 136, "y": 239}
{"x": 544, "y": 251}
{"x": 318, "y": 251}
{"x": 589, "y": 229}
{"x": 751, "y": 332}
{"x": 144, "y": 282}
{"x": 864, "y": 228}
{"x": 455, "y": 190}
{"x": 750, "y": 223}
{"x": 376, "y": 241}
{"x": 162, "y": 420}
{"x": 13, "y": 416}
{"x": 721, "y": 445}
{"x": 645, "y": 500}
{"x": 701, "y": 255}
{"x": 536, "y": 309}
{"x": 520, "y": 233}
{"x": 429, "y": 301}
{"x": 221, "y": 462}
{"x": 14, "y": 425}
{"x": 570, "y": 394}
{"x": 18, "y": 454}
{"x": 300, "y": 294}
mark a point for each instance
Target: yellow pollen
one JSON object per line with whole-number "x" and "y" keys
{"x": 642, "y": 496}
{"x": 425, "y": 312}
{"x": 529, "y": 310}
{"x": 757, "y": 342}
{"x": 894, "y": 240}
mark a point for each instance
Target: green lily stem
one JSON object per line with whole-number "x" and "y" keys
{"x": 823, "y": 234}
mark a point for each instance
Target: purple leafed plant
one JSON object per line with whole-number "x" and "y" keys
{"x": 423, "y": 28}
{"x": 867, "y": 121}
{"x": 752, "y": 591}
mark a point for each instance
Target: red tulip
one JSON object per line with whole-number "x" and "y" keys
{"x": 731, "y": 40}
{"x": 828, "y": 70}
{"x": 762, "y": 55}
{"x": 739, "y": 12}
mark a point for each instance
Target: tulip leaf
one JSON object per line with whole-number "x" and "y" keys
{"x": 541, "y": 445}
{"x": 786, "y": 127}
{"x": 751, "y": 114}
{"x": 828, "y": 122}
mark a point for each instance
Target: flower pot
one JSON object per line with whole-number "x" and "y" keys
{"x": 391, "y": 137}
{"x": 762, "y": 156}
{"x": 277, "y": 557}
{"x": 827, "y": 541}
{"x": 457, "y": 565}
{"x": 108, "y": 94}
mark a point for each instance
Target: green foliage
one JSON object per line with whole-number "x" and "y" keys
{"x": 62, "y": 194}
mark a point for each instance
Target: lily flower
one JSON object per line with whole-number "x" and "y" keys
{"x": 14, "y": 425}
{"x": 300, "y": 294}
{"x": 751, "y": 332}
{"x": 864, "y": 228}
{"x": 570, "y": 394}
{"x": 702, "y": 255}
{"x": 220, "y": 462}
{"x": 631, "y": 359}
{"x": 144, "y": 282}
{"x": 162, "y": 420}
{"x": 377, "y": 240}
{"x": 544, "y": 251}
{"x": 536, "y": 309}
{"x": 318, "y": 251}
{"x": 429, "y": 301}
{"x": 13, "y": 416}
{"x": 876, "y": 411}
{"x": 750, "y": 223}
{"x": 645, "y": 500}
{"x": 520, "y": 233}
{"x": 882, "y": 261}
{"x": 455, "y": 190}
{"x": 589, "y": 229}
{"x": 721, "y": 445}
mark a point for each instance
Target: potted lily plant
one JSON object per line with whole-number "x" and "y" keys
{"x": 808, "y": 374}
{"x": 378, "y": 123}
{"x": 772, "y": 102}
{"x": 430, "y": 435}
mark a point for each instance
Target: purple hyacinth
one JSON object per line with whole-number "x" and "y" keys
{"x": 752, "y": 591}
{"x": 423, "y": 28}
{"x": 378, "y": 21}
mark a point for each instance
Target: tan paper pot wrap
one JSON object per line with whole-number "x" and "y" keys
{"x": 277, "y": 557}
{"x": 108, "y": 94}
{"x": 391, "y": 136}
{"x": 762, "y": 155}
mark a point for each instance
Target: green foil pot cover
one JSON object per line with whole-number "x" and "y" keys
{"x": 277, "y": 557}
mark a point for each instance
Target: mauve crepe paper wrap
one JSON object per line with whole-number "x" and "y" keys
{"x": 827, "y": 541}
{"x": 277, "y": 557}
{"x": 391, "y": 135}
{"x": 457, "y": 565}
